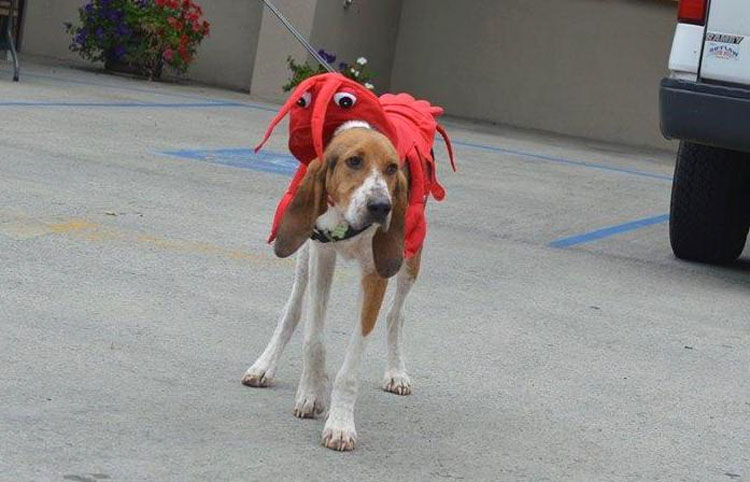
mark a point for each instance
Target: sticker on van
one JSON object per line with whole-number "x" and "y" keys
{"x": 722, "y": 51}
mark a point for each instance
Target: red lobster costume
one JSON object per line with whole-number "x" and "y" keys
{"x": 320, "y": 104}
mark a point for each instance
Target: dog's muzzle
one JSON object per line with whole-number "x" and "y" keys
{"x": 378, "y": 210}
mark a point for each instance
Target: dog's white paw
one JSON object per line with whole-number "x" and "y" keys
{"x": 257, "y": 376}
{"x": 397, "y": 382}
{"x": 340, "y": 437}
{"x": 309, "y": 405}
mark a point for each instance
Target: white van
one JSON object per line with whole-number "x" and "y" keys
{"x": 705, "y": 103}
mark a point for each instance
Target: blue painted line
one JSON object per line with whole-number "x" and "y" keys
{"x": 562, "y": 160}
{"x": 123, "y": 88}
{"x": 106, "y": 85}
{"x": 607, "y": 232}
{"x": 120, "y": 104}
{"x": 266, "y": 161}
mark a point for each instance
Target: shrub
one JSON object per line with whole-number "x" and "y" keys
{"x": 357, "y": 71}
{"x": 145, "y": 34}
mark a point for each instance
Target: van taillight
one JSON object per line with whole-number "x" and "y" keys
{"x": 692, "y": 11}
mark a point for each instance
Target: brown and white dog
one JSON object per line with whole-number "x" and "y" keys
{"x": 357, "y": 184}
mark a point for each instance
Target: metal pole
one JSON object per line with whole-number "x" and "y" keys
{"x": 298, "y": 36}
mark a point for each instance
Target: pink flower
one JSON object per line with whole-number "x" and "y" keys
{"x": 168, "y": 54}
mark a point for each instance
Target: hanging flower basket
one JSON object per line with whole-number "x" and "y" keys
{"x": 139, "y": 37}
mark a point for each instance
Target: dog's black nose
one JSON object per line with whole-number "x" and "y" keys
{"x": 379, "y": 209}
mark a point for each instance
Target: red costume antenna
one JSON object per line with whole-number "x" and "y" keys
{"x": 448, "y": 145}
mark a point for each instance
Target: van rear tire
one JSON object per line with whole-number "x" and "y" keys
{"x": 710, "y": 212}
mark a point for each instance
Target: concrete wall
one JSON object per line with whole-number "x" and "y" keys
{"x": 587, "y": 68}
{"x": 275, "y": 44}
{"x": 43, "y": 29}
{"x": 225, "y": 58}
{"x": 367, "y": 28}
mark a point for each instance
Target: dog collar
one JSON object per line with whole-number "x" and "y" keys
{"x": 342, "y": 232}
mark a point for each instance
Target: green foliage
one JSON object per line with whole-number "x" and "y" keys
{"x": 358, "y": 71}
{"x": 299, "y": 73}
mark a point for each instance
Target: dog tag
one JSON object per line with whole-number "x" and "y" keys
{"x": 340, "y": 231}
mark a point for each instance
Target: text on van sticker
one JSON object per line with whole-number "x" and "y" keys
{"x": 724, "y": 38}
{"x": 723, "y": 52}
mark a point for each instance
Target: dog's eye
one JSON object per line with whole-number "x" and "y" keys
{"x": 391, "y": 169}
{"x": 355, "y": 162}
{"x": 345, "y": 100}
{"x": 304, "y": 101}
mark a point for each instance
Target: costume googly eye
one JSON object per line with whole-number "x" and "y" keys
{"x": 345, "y": 100}
{"x": 304, "y": 101}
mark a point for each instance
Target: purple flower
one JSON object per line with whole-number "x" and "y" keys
{"x": 99, "y": 33}
{"x": 330, "y": 58}
{"x": 114, "y": 15}
{"x": 89, "y": 8}
{"x": 343, "y": 66}
{"x": 143, "y": 3}
{"x": 81, "y": 37}
{"x": 119, "y": 51}
{"x": 123, "y": 30}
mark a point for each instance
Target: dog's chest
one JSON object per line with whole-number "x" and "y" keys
{"x": 358, "y": 248}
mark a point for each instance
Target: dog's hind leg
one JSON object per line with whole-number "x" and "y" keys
{"x": 262, "y": 372}
{"x": 396, "y": 380}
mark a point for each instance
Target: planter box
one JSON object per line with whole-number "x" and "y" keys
{"x": 134, "y": 69}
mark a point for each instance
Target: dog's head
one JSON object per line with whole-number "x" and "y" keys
{"x": 359, "y": 177}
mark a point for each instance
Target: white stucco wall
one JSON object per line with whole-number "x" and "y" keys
{"x": 588, "y": 68}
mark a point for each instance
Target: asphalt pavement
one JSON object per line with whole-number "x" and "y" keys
{"x": 552, "y": 335}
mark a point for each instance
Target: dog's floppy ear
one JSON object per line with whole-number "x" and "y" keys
{"x": 388, "y": 246}
{"x": 308, "y": 203}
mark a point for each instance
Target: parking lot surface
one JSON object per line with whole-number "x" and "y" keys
{"x": 552, "y": 335}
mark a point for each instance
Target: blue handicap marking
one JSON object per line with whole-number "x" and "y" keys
{"x": 266, "y": 161}
{"x": 609, "y": 231}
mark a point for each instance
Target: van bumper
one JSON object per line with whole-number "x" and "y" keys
{"x": 715, "y": 115}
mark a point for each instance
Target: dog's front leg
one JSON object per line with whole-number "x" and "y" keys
{"x": 312, "y": 393}
{"x": 339, "y": 432}
{"x": 261, "y": 373}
